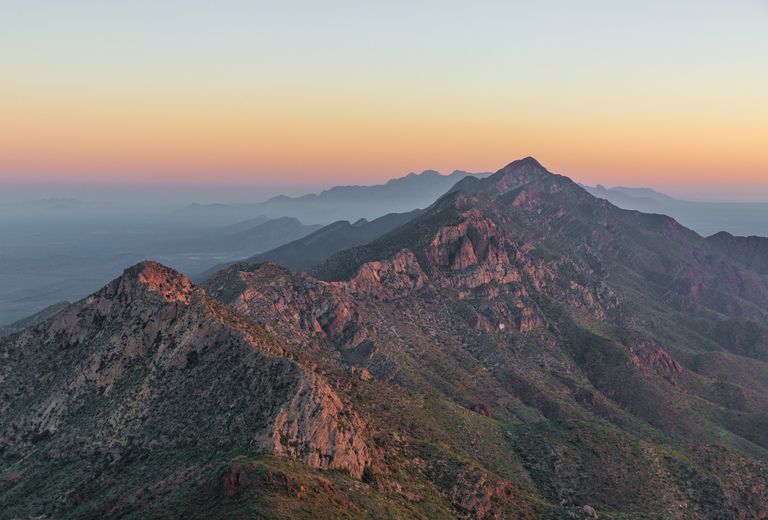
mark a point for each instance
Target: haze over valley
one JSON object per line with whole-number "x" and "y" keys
{"x": 61, "y": 249}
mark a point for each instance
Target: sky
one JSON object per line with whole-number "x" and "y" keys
{"x": 669, "y": 94}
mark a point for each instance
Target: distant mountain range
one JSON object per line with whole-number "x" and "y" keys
{"x": 706, "y": 218}
{"x": 253, "y": 235}
{"x": 626, "y": 195}
{"x": 401, "y": 195}
{"x": 518, "y": 349}
{"x": 315, "y": 248}
{"x": 34, "y": 319}
{"x": 420, "y": 190}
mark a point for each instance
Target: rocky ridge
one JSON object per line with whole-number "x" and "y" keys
{"x": 151, "y": 363}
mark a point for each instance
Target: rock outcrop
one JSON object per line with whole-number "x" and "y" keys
{"x": 389, "y": 279}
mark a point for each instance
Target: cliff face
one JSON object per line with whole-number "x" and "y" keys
{"x": 152, "y": 363}
{"x": 292, "y": 305}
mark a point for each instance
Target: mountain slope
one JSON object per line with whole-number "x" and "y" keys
{"x": 605, "y": 358}
{"x": 740, "y": 218}
{"x": 751, "y": 252}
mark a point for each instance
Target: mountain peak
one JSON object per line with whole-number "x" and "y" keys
{"x": 527, "y": 168}
{"x": 512, "y": 176}
{"x": 519, "y": 173}
{"x": 154, "y": 277}
{"x": 525, "y": 162}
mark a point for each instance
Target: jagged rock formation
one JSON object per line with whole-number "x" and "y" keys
{"x": 291, "y": 305}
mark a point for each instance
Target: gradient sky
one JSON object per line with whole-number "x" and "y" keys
{"x": 660, "y": 93}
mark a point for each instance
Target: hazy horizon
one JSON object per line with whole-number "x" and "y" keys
{"x": 184, "y": 193}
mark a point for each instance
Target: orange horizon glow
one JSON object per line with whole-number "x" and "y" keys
{"x": 94, "y": 100}
{"x": 185, "y": 144}
{"x": 350, "y": 139}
